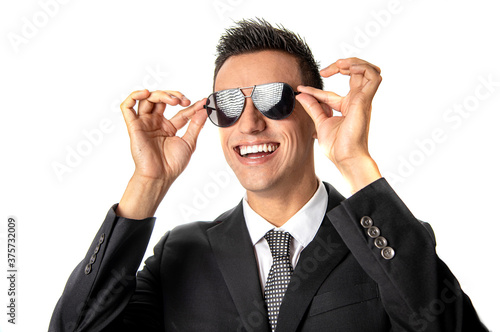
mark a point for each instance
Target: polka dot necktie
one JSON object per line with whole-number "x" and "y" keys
{"x": 280, "y": 273}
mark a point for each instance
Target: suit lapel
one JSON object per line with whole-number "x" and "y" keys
{"x": 316, "y": 262}
{"x": 233, "y": 251}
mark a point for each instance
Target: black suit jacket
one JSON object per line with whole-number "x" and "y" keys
{"x": 203, "y": 276}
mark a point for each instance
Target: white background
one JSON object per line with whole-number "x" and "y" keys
{"x": 71, "y": 73}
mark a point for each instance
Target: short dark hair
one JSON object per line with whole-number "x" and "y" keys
{"x": 254, "y": 35}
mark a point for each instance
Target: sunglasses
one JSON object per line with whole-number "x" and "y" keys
{"x": 276, "y": 101}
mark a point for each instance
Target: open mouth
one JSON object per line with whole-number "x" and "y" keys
{"x": 256, "y": 151}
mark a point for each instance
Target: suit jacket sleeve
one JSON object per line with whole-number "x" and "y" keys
{"x": 418, "y": 291}
{"x": 101, "y": 286}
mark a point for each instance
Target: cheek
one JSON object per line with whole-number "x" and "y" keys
{"x": 298, "y": 137}
{"x": 307, "y": 127}
{"x": 224, "y": 135}
{"x": 304, "y": 118}
{"x": 299, "y": 127}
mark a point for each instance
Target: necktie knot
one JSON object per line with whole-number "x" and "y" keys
{"x": 279, "y": 243}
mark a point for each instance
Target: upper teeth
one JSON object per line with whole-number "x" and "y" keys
{"x": 246, "y": 149}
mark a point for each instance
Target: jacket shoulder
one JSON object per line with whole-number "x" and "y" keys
{"x": 196, "y": 232}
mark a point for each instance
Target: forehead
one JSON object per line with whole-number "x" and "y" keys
{"x": 258, "y": 68}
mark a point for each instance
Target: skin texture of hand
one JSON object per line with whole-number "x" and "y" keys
{"x": 344, "y": 139}
{"x": 159, "y": 155}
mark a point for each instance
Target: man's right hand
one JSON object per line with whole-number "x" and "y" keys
{"x": 159, "y": 155}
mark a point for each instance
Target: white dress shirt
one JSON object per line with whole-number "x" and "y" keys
{"x": 303, "y": 226}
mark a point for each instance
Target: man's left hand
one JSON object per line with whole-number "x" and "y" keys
{"x": 344, "y": 139}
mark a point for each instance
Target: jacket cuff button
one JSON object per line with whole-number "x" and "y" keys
{"x": 380, "y": 242}
{"x": 366, "y": 222}
{"x": 373, "y": 232}
{"x": 388, "y": 253}
{"x": 88, "y": 268}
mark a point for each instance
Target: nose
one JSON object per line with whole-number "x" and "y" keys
{"x": 251, "y": 120}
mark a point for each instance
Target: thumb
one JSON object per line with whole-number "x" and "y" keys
{"x": 194, "y": 128}
{"x": 313, "y": 108}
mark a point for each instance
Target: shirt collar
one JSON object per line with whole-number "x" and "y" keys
{"x": 303, "y": 225}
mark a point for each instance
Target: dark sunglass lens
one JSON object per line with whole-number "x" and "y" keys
{"x": 274, "y": 100}
{"x": 212, "y": 109}
{"x": 227, "y": 106}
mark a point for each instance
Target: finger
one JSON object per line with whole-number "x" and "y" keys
{"x": 194, "y": 128}
{"x": 333, "y": 69}
{"x": 157, "y": 97}
{"x": 127, "y": 106}
{"x": 371, "y": 78}
{"x": 356, "y": 82}
{"x": 343, "y": 66}
{"x": 159, "y": 108}
{"x": 330, "y": 70}
{"x": 184, "y": 101}
{"x": 317, "y": 113}
{"x": 181, "y": 118}
{"x": 327, "y": 109}
{"x": 330, "y": 98}
{"x": 340, "y": 66}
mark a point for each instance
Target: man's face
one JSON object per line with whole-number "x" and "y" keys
{"x": 290, "y": 140}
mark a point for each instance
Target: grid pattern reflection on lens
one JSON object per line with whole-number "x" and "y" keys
{"x": 230, "y": 102}
{"x": 266, "y": 96}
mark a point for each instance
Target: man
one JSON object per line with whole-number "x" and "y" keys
{"x": 294, "y": 255}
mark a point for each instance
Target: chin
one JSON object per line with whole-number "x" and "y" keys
{"x": 260, "y": 185}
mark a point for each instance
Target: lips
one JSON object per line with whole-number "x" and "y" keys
{"x": 256, "y": 150}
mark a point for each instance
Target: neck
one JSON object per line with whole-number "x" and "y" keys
{"x": 280, "y": 204}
